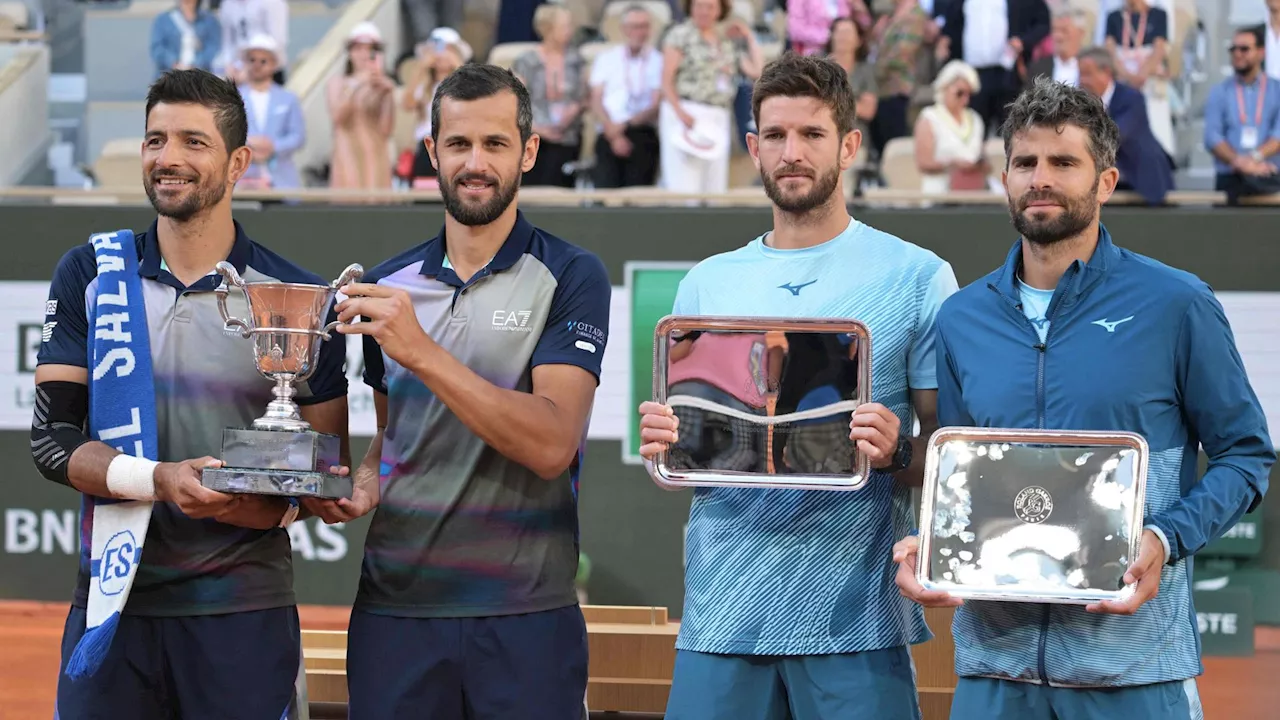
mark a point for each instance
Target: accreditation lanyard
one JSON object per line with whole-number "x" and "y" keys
{"x": 1130, "y": 39}
{"x": 1257, "y": 110}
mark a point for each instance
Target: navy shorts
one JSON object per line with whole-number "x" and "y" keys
{"x": 512, "y": 667}
{"x": 209, "y": 667}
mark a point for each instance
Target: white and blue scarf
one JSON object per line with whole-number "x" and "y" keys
{"x": 122, "y": 414}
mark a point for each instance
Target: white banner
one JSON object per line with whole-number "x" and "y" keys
{"x": 1253, "y": 317}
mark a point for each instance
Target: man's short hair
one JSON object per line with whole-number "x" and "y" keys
{"x": 200, "y": 87}
{"x": 476, "y": 81}
{"x": 794, "y": 75}
{"x": 1099, "y": 56}
{"x": 1056, "y": 105}
{"x": 1259, "y": 33}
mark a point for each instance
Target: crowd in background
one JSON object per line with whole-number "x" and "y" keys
{"x": 666, "y": 105}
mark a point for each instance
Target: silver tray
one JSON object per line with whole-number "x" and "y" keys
{"x": 762, "y": 402}
{"x": 1031, "y": 515}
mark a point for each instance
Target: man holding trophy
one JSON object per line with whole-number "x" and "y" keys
{"x": 184, "y": 603}
{"x": 483, "y": 347}
{"x": 1075, "y": 333}
{"x": 789, "y": 612}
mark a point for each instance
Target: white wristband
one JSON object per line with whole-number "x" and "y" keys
{"x": 132, "y": 477}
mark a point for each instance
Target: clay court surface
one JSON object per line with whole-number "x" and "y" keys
{"x": 1231, "y": 688}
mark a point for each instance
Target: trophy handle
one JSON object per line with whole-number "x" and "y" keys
{"x": 230, "y": 277}
{"x": 352, "y": 273}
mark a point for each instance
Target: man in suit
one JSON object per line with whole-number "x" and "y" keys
{"x": 1144, "y": 165}
{"x": 276, "y": 126}
{"x": 992, "y": 36}
{"x": 1061, "y": 66}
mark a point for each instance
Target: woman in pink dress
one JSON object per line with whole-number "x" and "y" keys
{"x": 362, "y": 109}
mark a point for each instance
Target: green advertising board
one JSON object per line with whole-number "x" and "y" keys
{"x": 1226, "y": 620}
{"x": 651, "y": 291}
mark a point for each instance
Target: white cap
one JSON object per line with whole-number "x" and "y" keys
{"x": 364, "y": 32}
{"x": 264, "y": 42}
{"x": 450, "y": 37}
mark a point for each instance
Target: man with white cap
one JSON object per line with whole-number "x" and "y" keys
{"x": 244, "y": 19}
{"x": 276, "y": 126}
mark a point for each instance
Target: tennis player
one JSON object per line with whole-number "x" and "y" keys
{"x": 210, "y": 627}
{"x": 1075, "y": 332}
{"x": 789, "y": 610}
{"x": 483, "y": 346}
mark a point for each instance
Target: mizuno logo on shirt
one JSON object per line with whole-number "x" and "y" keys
{"x": 795, "y": 289}
{"x": 1111, "y": 326}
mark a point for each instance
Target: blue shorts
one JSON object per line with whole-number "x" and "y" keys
{"x": 512, "y": 667}
{"x": 214, "y": 667}
{"x": 991, "y": 699}
{"x": 875, "y": 685}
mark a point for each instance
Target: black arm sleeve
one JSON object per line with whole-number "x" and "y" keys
{"x": 57, "y": 427}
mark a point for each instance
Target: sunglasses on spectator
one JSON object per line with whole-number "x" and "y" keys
{"x": 1240, "y": 49}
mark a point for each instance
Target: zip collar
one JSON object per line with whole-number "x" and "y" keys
{"x": 1078, "y": 279}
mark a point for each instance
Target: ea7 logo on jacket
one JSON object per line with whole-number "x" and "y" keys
{"x": 1110, "y": 325}
{"x": 512, "y": 320}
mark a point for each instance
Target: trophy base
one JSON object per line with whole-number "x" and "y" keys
{"x": 288, "y": 483}
{"x": 293, "y": 463}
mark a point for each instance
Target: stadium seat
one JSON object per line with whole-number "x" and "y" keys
{"x": 506, "y": 53}
{"x": 898, "y": 164}
{"x": 119, "y": 164}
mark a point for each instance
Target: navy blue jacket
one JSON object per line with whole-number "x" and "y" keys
{"x": 1141, "y": 159}
{"x": 1133, "y": 345}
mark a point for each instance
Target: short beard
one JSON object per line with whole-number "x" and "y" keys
{"x": 1077, "y": 214}
{"x": 204, "y": 197}
{"x": 823, "y": 187}
{"x": 489, "y": 211}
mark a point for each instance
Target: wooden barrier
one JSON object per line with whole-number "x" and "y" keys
{"x": 632, "y": 658}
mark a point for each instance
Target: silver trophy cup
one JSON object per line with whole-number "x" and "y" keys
{"x": 280, "y": 454}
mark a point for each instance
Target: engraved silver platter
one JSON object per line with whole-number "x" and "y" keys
{"x": 762, "y": 402}
{"x": 1031, "y": 515}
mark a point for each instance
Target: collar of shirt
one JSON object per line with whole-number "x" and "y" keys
{"x": 1106, "y": 96}
{"x": 1066, "y": 71}
{"x": 513, "y": 248}
{"x": 153, "y": 262}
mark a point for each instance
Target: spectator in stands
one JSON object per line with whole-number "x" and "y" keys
{"x": 1062, "y": 66}
{"x": 362, "y": 107}
{"x": 1144, "y": 165}
{"x": 424, "y": 16}
{"x": 901, "y": 38}
{"x": 992, "y": 36}
{"x": 243, "y": 19}
{"x": 1138, "y": 37}
{"x": 276, "y": 125}
{"x": 556, "y": 75}
{"x": 443, "y": 52}
{"x": 809, "y": 21}
{"x": 846, "y": 48}
{"x": 626, "y": 87}
{"x": 1273, "y": 39}
{"x": 185, "y": 38}
{"x": 1242, "y": 122}
{"x": 702, "y": 58}
{"x": 949, "y": 135}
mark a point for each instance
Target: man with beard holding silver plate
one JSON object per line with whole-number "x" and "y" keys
{"x": 1077, "y": 333}
{"x": 483, "y": 347}
{"x": 208, "y": 627}
{"x": 789, "y": 612}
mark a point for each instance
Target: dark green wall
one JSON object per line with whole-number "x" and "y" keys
{"x": 631, "y": 529}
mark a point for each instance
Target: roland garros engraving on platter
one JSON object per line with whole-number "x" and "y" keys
{"x": 1033, "y": 505}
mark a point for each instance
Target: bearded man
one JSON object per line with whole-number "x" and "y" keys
{"x": 483, "y": 347}
{"x": 789, "y": 612}
{"x": 1074, "y": 332}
